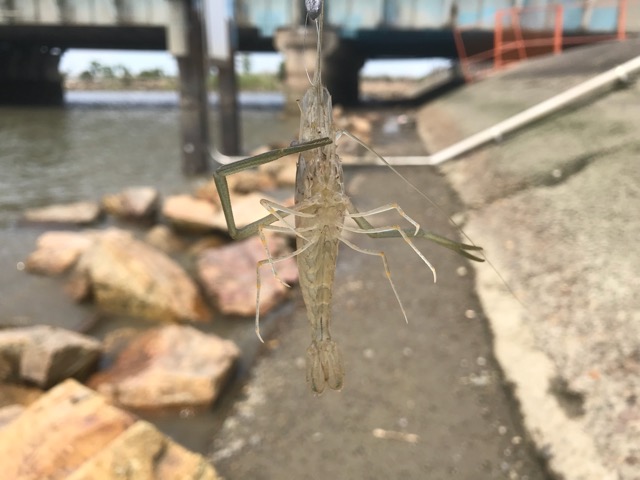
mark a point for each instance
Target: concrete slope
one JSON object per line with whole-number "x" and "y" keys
{"x": 557, "y": 207}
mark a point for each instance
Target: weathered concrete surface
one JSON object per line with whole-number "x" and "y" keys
{"x": 557, "y": 209}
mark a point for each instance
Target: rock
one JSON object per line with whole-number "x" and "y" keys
{"x": 132, "y": 203}
{"x": 185, "y": 212}
{"x": 78, "y": 287}
{"x": 287, "y": 176}
{"x": 80, "y": 213}
{"x": 144, "y": 454}
{"x": 210, "y": 241}
{"x": 249, "y": 181}
{"x": 13, "y": 393}
{"x": 130, "y": 277}
{"x": 46, "y": 355}
{"x": 57, "y": 433}
{"x": 163, "y": 238}
{"x": 246, "y": 209}
{"x": 360, "y": 126}
{"x": 57, "y": 252}
{"x": 228, "y": 275}
{"x": 73, "y": 433}
{"x": 172, "y": 366}
{"x": 208, "y": 191}
{"x": 9, "y": 413}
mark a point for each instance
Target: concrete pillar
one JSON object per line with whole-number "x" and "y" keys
{"x": 194, "y": 102}
{"x": 341, "y": 70}
{"x": 29, "y": 75}
{"x": 229, "y": 111}
{"x": 298, "y": 45}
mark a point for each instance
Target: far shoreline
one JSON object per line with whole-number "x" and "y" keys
{"x": 378, "y": 87}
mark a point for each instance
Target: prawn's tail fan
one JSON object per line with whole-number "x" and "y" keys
{"x": 324, "y": 366}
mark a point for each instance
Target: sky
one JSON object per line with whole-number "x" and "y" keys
{"x": 76, "y": 61}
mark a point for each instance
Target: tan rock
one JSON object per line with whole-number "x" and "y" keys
{"x": 163, "y": 238}
{"x": 78, "y": 287}
{"x": 80, "y": 213}
{"x": 287, "y": 176}
{"x": 208, "y": 191}
{"x": 131, "y": 277}
{"x": 57, "y": 252}
{"x": 46, "y": 355}
{"x": 143, "y": 453}
{"x": 188, "y": 213}
{"x": 13, "y": 393}
{"x": 9, "y": 413}
{"x": 246, "y": 209}
{"x": 210, "y": 241}
{"x": 172, "y": 366}
{"x": 360, "y": 126}
{"x": 133, "y": 202}
{"x": 228, "y": 275}
{"x": 249, "y": 181}
{"x": 58, "y": 433}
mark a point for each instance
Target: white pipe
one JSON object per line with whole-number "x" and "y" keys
{"x": 553, "y": 104}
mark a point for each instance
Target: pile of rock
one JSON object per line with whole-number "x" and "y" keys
{"x": 182, "y": 270}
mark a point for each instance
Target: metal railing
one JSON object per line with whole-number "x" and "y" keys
{"x": 521, "y": 33}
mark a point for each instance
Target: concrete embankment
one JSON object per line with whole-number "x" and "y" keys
{"x": 556, "y": 207}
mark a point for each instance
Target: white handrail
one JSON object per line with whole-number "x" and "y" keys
{"x": 495, "y": 133}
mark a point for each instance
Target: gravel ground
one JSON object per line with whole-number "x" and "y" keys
{"x": 556, "y": 207}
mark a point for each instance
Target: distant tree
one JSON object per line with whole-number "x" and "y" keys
{"x": 86, "y": 76}
{"x": 246, "y": 64}
{"x": 153, "y": 74}
{"x": 95, "y": 69}
{"x": 282, "y": 72}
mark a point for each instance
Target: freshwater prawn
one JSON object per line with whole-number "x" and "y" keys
{"x": 320, "y": 211}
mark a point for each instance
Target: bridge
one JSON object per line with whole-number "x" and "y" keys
{"x": 35, "y": 33}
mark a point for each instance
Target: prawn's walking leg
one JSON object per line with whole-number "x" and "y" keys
{"x": 370, "y": 230}
{"x": 222, "y": 172}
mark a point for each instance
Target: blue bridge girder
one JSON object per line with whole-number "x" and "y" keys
{"x": 379, "y": 28}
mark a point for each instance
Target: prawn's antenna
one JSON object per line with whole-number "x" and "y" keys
{"x": 315, "y": 12}
{"x": 426, "y": 197}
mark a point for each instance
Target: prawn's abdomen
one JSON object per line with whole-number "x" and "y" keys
{"x": 316, "y": 267}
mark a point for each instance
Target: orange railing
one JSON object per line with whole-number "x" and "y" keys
{"x": 521, "y": 33}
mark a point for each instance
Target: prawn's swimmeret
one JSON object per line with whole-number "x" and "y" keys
{"x": 320, "y": 210}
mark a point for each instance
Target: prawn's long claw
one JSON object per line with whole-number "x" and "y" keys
{"x": 460, "y": 248}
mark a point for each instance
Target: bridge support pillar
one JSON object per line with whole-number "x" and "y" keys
{"x": 29, "y": 75}
{"x": 194, "y": 100}
{"x": 341, "y": 70}
{"x": 340, "y": 65}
